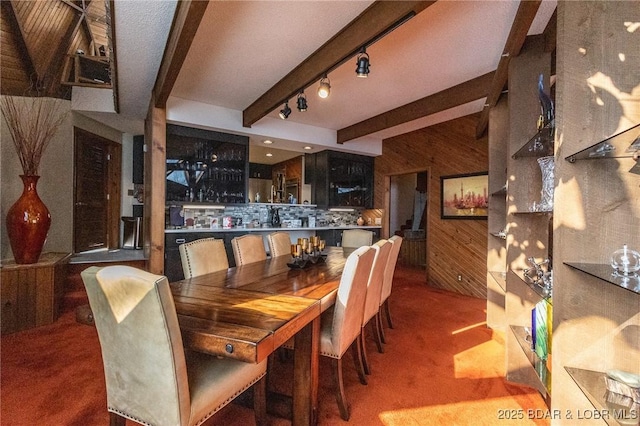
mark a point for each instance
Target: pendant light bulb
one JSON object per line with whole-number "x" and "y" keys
{"x": 324, "y": 88}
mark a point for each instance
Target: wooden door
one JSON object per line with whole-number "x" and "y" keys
{"x": 97, "y": 192}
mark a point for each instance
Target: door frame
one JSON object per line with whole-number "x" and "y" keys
{"x": 386, "y": 223}
{"x": 113, "y": 186}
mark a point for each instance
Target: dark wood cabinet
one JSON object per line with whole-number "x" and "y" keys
{"x": 260, "y": 171}
{"x": 206, "y": 166}
{"x": 138, "y": 159}
{"x": 340, "y": 179}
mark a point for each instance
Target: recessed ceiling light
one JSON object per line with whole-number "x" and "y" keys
{"x": 267, "y": 141}
{"x": 307, "y": 147}
{"x": 269, "y": 154}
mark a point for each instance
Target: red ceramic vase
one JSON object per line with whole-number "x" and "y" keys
{"x": 28, "y": 222}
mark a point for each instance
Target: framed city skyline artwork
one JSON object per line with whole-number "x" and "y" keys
{"x": 464, "y": 196}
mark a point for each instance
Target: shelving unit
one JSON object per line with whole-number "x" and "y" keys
{"x": 595, "y": 210}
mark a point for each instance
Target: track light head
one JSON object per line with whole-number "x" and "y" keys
{"x": 324, "y": 88}
{"x": 362, "y": 64}
{"x": 302, "y": 102}
{"x": 285, "y": 112}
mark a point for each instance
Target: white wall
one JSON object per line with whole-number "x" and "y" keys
{"x": 55, "y": 186}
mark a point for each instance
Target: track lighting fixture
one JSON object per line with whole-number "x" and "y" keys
{"x": 302, "y": 102}
{"x": 284, "y": 112}
{"x": 324, "y": 88}
{"x": 362, "y": 63}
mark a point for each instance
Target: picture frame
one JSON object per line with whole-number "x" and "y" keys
{"x": 464, "y": 196}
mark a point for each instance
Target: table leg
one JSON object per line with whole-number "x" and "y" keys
{"x": 305, "y": 381}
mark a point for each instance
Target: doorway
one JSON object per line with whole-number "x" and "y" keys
{"x": 96, "y": 212}
{"x": 407, "y": 207}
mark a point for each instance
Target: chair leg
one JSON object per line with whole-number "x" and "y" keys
{"x": 388, "y": 312}
{"x": 381, "y": 326}
{"x": 357, "y": 360}
{"x": 340, "y": 396}
{"x": 260, "y": 401}
{"x": 363, "y": 349}
{"x": 376, "y": 332}
{"x": 116, "y": 420}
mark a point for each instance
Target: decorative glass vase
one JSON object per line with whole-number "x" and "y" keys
{"x": 28, "y": 222}
{"x": 547, "y": 167}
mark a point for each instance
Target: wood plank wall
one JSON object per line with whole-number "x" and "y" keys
{"x": 453, "y": 246}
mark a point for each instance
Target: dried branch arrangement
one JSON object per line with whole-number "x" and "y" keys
{"x": 32, "y": 123}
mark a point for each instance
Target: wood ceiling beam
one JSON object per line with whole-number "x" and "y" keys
{"x": 23, "y": 47}
{"x": 527, "y": 11}
{"x": 113, "y": 57}
{"x": 457, "y": 95}
{"x": 375, "y": 21}
{"x": 185, "y": 23}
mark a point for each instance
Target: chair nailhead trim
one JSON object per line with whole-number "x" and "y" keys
{"x": 228, "y": 400}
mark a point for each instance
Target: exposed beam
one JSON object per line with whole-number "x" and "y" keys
{"x": 521, "y": 23}
{"x": 376, "y": 20}
{"x": 113, "y": 55}
{"x": 27, "y": 54}
{"x": 457, "y": 95}
{"x": 185, "y": 23}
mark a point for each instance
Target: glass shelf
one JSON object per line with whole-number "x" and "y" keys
{"x": 536, "y": 213}
{"x": 543, "y": 292}
{"x": 605, "y": 273}
{"x": 592, "y": 384}
{"x": 541, "y": 145}
{"x": 500, "y": 278}
{"x": 501, "y": 191}
{"x": 620, "y": 145}
{"x": 523, "y": 336}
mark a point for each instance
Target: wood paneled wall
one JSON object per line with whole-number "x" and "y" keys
{"x": 454, "y": 247}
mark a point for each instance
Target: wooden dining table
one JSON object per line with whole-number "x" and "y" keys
{"x": 248, "y": 312}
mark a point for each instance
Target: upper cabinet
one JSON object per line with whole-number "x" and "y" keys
{"x": 340, "y": 179}
{"x": 206, "y": 166}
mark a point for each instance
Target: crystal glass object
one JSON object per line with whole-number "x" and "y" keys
{"x": 625, "y": 261}
{"x": 547, "y": 167}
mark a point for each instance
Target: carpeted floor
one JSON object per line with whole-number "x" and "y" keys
{"x": 441, "y": 366}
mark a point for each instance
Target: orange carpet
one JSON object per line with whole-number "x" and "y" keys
{"x": 441, "y": 366}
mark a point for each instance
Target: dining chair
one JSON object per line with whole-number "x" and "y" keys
{"x": 341, "y": 324}
{"x": 279, "y": 243}
{"x": 372, "y": 302}
{"x": 150, "y": 378}
{"x": 248, "y": 248}
{"x": 203, "y": 256}
{"x": 389, "y": 270}
{"x": 354, "y": 238}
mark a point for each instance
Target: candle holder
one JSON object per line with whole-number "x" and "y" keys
{"x": 297, "y": 253}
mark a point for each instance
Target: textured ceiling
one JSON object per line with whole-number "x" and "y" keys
{"x": 242, "y": 48}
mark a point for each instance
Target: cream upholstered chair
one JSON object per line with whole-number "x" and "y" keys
{"x": 372, "y": 302}
{"x": 203, "y": 256}
{"x": 396, "y": 242}
{"x": 150, "y": 378}
{"x": 341, "y": 324}
{"x": 279, "y": 244}
{"x": 354, "y": 238}
{"x": 248, "y": 248}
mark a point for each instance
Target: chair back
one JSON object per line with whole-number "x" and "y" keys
{"x": 396, "y": 242}
{"x": 144, "y": 361}
{"x": 279, "y": 244}
{"x": 248, "y": 248}
{"x": 354, "y": 238}
{"x": 376, "y": 278}
{"x": 203, "y": 256}
{"x": 349, "y": 305}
